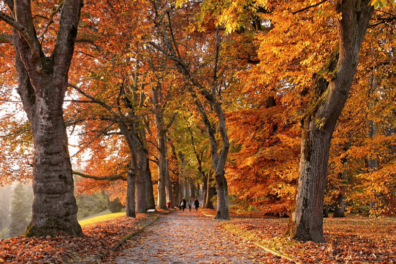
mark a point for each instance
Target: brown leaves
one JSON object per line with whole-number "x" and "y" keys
{"x": 351, "y": 239}
{"x": 99, "y": 238}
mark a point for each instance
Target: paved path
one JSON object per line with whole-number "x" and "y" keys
{"x": 190, "y": 237}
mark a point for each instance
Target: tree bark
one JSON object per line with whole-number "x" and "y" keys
{"x": 141, "y": 204}
{"x": 42, "y": 87}
{"x": 168, "y": 184}
{"x": 211, "y": 192}
{"x": 326, "y": 104}
{"x": 192, "y": 185}
{"x": 150, "y": 201}
{"x": 130, "y": 208}
{"x": 204, "y": 189}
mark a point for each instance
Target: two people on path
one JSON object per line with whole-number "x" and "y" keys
{"x": 183, "y": 204}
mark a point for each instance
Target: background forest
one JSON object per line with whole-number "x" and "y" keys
{"x": 165, "y": 100}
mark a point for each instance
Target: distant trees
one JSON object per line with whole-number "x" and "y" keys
{"x": 21, "y": 209}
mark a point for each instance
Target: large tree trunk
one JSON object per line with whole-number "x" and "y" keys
{"x": 327, "y": 102}
{"x": 161, "y": 201}
{"x": 130, "y": 208}
{"x": 150, "y": 201}
{"x": 210, "y": 193}
{"x": 54, "y": 205}
{"x": 42, "y": 87}
{"x": 159, "y": 122}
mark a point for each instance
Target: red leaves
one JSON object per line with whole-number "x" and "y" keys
{"x": 99, "y": 238}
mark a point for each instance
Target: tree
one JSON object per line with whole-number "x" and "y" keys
{"x": 211, "y": 92}
{"x": 42, "y": 87}
{"x": 330, "y": 90}
{"x": 20, "y": 211}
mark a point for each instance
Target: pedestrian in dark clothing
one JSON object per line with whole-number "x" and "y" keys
{"x": 196, "y": 203}
{"x": 184, "y": 204}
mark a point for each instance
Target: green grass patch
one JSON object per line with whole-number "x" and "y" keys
{"x": 100, "y": 218}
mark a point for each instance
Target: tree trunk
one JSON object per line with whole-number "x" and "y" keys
{"x": 210, "y": 193}
{"x": 340, "y": 207}
{"x": 131, "y": 180}
{"x": 204, "y": 189}
{"x": 141, "y": 204}
{"x": 150, "y": 201}
{"x": 54, "y": 205}
{"x": 192, "y": 185}
{"x": 161, "y": 201}
{"x": 222, "y": 197}
{"x": 42, "y": 87}
{"x": 168, "y": 184}
{"x": 326, "y": 104}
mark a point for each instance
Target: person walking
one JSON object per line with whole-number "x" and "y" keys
{"x": 180, "y": 205}
{"x": 184, "y": 204}
{"x": 196, "y": 203}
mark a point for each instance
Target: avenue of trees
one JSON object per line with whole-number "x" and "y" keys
{"x": 287, "y": 107}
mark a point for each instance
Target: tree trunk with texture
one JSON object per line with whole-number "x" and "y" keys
{"x": 131, "y": 180}
{"x": 141, "y": 204}
{"x": 150, "y": 201}
{"x": 211, "y": 192}
{"x": 204, "y": 189}
{"x": 168, "y": 184}
{"x": 42, "y": 87}
{"x": 326, "y": 104}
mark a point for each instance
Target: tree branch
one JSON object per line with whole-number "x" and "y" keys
{"x": 308, "y": 7}
{"x": 23, "y": 31}
{"x": 101, "y": 178}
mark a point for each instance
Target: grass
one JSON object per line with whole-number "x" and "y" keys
{"x": 103, "y": 216}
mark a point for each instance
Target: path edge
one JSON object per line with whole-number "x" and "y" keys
{"x": 129, "y": 236}
{"x": 255, "y": 243}
{"x": 97, "y": 258}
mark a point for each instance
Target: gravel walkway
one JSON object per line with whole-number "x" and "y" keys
{"x": 191, "y": 237}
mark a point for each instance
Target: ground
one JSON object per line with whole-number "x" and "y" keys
{"x": 191, "y": 237}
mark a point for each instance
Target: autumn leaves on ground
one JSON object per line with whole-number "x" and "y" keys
{"x": 190, "y": 237}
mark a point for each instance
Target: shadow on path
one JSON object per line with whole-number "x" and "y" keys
{"x": 190, "y": 237}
